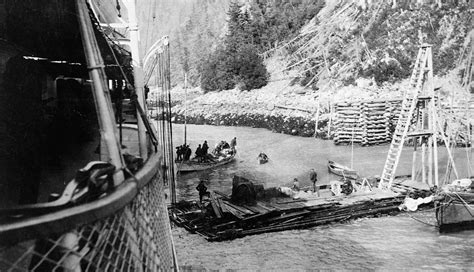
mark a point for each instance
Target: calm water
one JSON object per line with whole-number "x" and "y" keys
{"x": 388, "y": 243}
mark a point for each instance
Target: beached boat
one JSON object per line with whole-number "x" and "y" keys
{"x": 342, "y": 170}
{"x": 213, "y": 161}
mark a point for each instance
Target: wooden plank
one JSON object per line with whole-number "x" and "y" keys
{"x": 288, "y": 216}
{"x": 239, "y": 208}
{"x": 233, "y": 211}
{"x": 225, "y": 196}
{"x": 215, "y": 205}
{"x": 268, "y": 206}
{"x": 260, "y": 216}
{"x": 255, "y": 209}
{"x": 221, "y": 205}
{"x": 292, "y": 201}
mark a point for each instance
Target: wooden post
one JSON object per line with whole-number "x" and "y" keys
{"x": 185, "y": 104}
{"x": 430, "y": 161}
{"x": 413, "y": 167}
{"x": 423, "y": 166}
{"x": 434, "y": 137}
{"x": 430, "y": 141}
{"x": 317, "y": 119}
{"x": 330, "y": 121}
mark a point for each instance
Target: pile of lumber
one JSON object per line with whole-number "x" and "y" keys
{"x": 219, "y": 219}
{"x": 365, "y": 122}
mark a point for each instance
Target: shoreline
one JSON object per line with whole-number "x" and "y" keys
{"x": 295, "y": 126}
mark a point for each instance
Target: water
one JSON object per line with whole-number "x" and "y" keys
{"x": 387, "y": 243}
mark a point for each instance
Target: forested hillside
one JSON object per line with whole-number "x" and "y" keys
{"x": 311, "y": 55}
{"x": 316, "y": 43}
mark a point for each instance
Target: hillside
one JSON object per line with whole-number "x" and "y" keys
{"x": 350, "y": 50}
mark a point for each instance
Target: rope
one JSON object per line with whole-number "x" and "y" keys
{"x": 465, "y": 204}
{"x": 421, "y": 221}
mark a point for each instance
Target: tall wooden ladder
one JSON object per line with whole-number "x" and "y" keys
{"x": 423, "y": 64}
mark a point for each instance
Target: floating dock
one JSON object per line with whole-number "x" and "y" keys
{"x": 220, "y": 217}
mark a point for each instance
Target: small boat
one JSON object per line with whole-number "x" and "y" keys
{"x": 342, "y": 170}
{"x": 262, "y": 158}
{"x": 194, "y": 165}
{"x": 455, "y": 209}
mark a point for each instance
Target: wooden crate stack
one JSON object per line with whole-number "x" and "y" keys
{"x": 365, "y": 122}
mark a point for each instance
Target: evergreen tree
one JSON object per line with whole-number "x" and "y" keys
{"x": 238, "y": 63}
{"x": 252, "y": 72}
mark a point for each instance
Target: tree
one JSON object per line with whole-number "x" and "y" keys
{"x": 252, "y": 72}
{"x": 238, "y": 63}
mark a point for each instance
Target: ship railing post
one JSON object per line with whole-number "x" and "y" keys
{"x": 100, "y": 91}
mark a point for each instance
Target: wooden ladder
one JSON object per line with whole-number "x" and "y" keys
{"x": 410, "y": 100}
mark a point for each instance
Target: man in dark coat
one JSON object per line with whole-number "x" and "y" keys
{"x": 199, "y": 153}
{"x": 233, "y": 143}
{"x": 202, "y": 189}
{"x": 313, "y": 176}
{"x": 205, "y": 147}
{"x": 179, "y": 153}
{"x": 187, "y": 153}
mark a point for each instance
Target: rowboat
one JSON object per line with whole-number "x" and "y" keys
{"x": 194, "y": 165}
{"x": 342, "y": 170}
{"x": 262, "y": 160}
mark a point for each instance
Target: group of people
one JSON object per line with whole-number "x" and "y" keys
{"x": 222, "y": 145}
{"x": 183, "y": 152}
{"x": 313, "y": 177}
{"x": 201, "y": 152}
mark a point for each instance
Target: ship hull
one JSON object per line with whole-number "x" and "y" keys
{"x": 455, "y": 212}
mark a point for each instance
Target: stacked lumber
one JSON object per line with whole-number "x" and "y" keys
{"x": 347, "y": 123}
{"x": 376, "y": 122}
{"x": 365, "y": 122}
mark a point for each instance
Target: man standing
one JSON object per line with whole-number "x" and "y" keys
{"x": 199, "y": 153}
{"x": 202, "y": 189}
{"x": 188, "y": 153}
{"x": 313, "y": 176}
{"x": 204, "y": 148}
{"x": 233, "y": 143}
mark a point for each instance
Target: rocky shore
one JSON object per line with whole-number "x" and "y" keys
{"x": 280, "y": 106}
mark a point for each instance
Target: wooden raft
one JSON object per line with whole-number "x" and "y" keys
{"x": 219, "y": 219}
